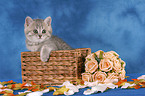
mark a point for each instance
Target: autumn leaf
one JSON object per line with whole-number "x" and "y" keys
{"x": 8, "y": 94}
{"x": 10, "y": 81}
{"x": 35, "y": 89}
{"x": 61, "y": 91}
{"x": 79, "y": 81}
{"x": 136, "y": 86}
{"x": 33, "y": 83}
{"x": 135, "y": 79}
{"x": 119, "y": 83}
{"x": 126, "y": 76}
{"x": 52, "y": 88}
{"x": 23, "y": 84}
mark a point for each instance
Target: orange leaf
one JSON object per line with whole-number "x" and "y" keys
{"x": 142, "y": 83}
{"x": 31, "y": 88}
{"x": 125, "y": 80}
{"x": 82, "y": 82}
{"x": 143, "y": 86}
{"x": 22, "y": 85}
{"x": 33, "y": 83}
{"x": 136, "y": 86}
{"x": 135, "y": 79}
{"x": 41, "y": 86}
{"x": 10, "y": 94}
{"x": 10, "y": 81}
{"x": 13, "y": 86}
{"x": 35, "y": 89}
{"x": 3, "y": 92}
{"x": 121, "y": 81}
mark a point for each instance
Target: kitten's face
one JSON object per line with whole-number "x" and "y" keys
{"x": 38, "y": 30}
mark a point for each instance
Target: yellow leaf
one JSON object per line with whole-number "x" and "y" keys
{"x": 61, "y": 91}
{"x": 52, "y": 88}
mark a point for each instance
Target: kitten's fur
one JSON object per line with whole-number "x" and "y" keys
{"x": 39, "y": 37}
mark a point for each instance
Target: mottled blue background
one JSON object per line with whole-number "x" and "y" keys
{"x": 98, "y": 24}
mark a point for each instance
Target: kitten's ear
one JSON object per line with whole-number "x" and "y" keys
{"x": 48, "y": 20}
{"x": 28, "y": 21}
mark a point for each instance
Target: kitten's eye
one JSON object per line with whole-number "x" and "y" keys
{"x": 43, "y": 31}
{"x": 35, "y": 31}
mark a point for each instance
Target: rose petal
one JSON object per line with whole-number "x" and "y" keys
{"x": 105, "y": 65}
{"x": 86, "y": 77}
{"x": 38, "y": 93}
{"x": 141, "y": 77}
{"x": 70, "y": 92}
{"x": 128, "y": 85}
{"x": 91, "y": 66}
{"x": 1, "y": 85}
{"x": 99, "y": 87}
{"x": 99, "y": 76}
{"x": 90, "y": 84}
{"x": 111, "y": 85}
{"x": 88, "y": 92}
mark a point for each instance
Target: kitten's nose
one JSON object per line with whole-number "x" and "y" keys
{"x": 40, "y": 36}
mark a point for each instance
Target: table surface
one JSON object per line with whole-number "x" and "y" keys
{"x": 110, "y": 92}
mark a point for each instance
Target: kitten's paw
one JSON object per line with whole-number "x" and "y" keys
{"x": 44, "y": 53}
{"x": 44, "y": 58}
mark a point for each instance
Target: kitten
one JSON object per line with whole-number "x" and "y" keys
{"x": 39, "y": 37}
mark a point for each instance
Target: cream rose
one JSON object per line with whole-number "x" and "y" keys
{"x": 114, "y": 53}
{"x": 123, "y": 64}
{"x": 117, "y": 66}
{"x": 112, "y": 77}
{"x": 99, "y": 76}
{"x": 105, "y": 65}
{"x": 86, "y": 77}
{"x": 99, "y": 54}
{"x": 122, "y": 74}
{"x": 91, "y": 66}
{"x": 110, "y": 55}
{"x": 90, "y": 57}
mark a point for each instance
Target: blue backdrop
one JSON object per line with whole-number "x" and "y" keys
{"x": 98, "y": 24}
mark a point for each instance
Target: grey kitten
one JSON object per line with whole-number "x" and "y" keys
{"x": 39, "y": 37}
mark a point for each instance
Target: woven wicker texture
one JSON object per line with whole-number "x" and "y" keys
{"x": 62, "y": 65}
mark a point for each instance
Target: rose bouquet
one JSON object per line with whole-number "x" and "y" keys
{"x": 104, "y": 67}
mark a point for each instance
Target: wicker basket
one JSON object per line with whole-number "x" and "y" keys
{"x": 62, "y": 65}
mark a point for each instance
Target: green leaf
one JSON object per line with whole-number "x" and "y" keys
{"x": 101, "y": 55}
{"x": 88, "y": 59}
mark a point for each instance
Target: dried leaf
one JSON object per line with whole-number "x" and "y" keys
{"x": 52, "y": 88}
{"x": 8, "y": 94}
{"x": 141, "y": 83}
{"x": 36, "y": 89}
{"x": 126, "y": 76}
{"x": 119, "y": 83}
{"x": 33, "y": 83}
{"x": 61, "y": 91}
{"x": 80, "y": 82}
{"x": 10, "y": 81}
{"x": 136, "y": 86}
{"x": 135, "y": 79}
{"x": 22, "y": 85}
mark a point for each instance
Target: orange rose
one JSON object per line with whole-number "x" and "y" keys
{"x": 91, "y": 66}
{"x": 105, "y": 65}
{"x": 86, "y": 77}
{"x": 100, "y": 76}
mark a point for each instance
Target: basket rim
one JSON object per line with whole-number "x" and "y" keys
{"x": 57, "y": 50}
